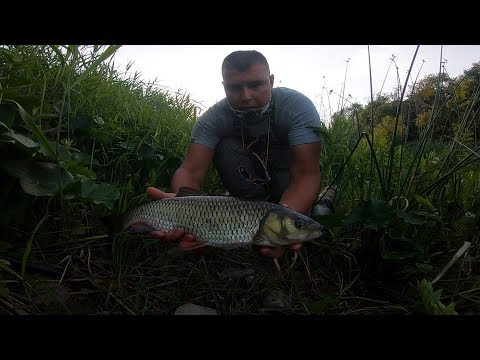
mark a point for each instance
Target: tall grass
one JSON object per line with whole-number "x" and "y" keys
{"x": 410, "y": 195}
{"x": 81, "y": 140}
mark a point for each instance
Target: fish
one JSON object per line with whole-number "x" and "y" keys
{"x": 224, "y": 221}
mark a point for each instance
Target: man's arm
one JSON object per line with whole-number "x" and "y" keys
{"x": 194, "y": 168}
{"x": 304, "y": 186}
{"x": 305, "y": 177}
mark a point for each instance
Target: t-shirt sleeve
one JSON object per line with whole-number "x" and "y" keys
{"x": 305, "y": 120}
{"x": 205, "y": 132}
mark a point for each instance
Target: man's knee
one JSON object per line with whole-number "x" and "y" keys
{"x": 238, "y": 169}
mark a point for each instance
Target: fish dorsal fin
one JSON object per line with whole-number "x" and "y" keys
{"x": 188, "y": 191}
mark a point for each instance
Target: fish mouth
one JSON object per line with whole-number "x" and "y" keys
{"x": 313, "y": 235}
{"x": 316, "y": 234}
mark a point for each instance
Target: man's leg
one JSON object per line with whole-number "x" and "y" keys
{"x": 279, "y": 183}
{"x": 239, "y": 171}
{"x": 279, "y": 168}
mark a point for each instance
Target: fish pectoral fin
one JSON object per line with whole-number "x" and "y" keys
{"x": 184, "y": 246}
{"x": 259, "y": 240}
{"x": 191, "y": 245}
{"x": 141, "y": 226}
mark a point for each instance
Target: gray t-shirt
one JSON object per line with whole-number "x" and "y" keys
{"x": 293, "y": 115}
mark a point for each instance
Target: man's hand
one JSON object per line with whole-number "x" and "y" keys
{"x": 277, "y": 251}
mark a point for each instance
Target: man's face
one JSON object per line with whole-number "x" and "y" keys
{"x": 249, "y": 90}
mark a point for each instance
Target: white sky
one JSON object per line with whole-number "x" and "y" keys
{"x": 311, "y": 69}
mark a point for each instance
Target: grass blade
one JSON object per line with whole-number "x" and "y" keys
{"x": 35, "y": 129}
{"x": 105, "y": 55}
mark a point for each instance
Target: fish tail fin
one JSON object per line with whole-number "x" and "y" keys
{"x": 187, "y": 246}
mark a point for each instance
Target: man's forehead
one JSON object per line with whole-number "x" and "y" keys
{"x": 257, "y": 69}
{"x": 249, "y": 80}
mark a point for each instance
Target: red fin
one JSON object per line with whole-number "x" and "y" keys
{"x": 188, "y": 244}
{"x": 199, "y": 248}
{"x": 192, "y": 245}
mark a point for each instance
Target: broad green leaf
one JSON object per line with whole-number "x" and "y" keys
{"x": 397, "y": 234}
{"x": 431, "y": 300}
{"x": 374, "y": 214}
{"x": 65, "y": 153}
{"x": 21, "y": 139}
{"x": 102, "y": 137}
{"x": 72, "y": 190}
{"x": 428, "y": 215}
{"x": 102, "y": 193}
{"x": 74, "y": 168}
{"x": 424, "y": 202}
{"x": 38, "y": 178}
{"x": 410, "y": 217}
{"x": 84, "y": 159}
{"x": 399, "y": 246}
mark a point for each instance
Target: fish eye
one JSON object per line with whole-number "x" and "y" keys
{"x": 299, "y": 224}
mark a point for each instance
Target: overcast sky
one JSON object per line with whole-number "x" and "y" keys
{"x": 311, "y": 69}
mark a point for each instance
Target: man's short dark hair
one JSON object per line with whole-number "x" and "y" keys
{"x": 241, "y": 60}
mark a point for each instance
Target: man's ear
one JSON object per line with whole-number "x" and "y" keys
{"x": 272, "y": 80}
